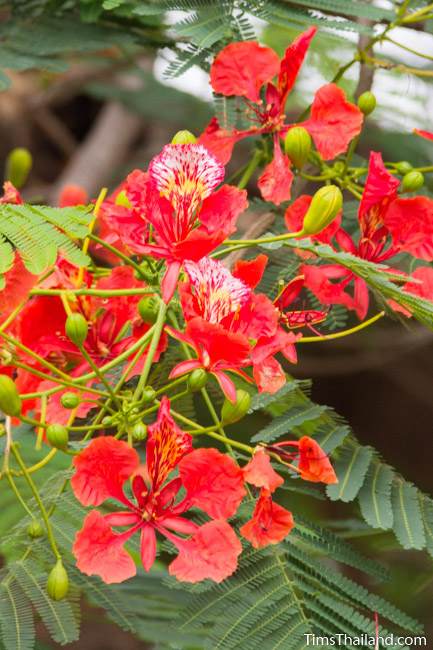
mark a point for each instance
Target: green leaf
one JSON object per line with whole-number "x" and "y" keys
{"x": 351, "y": 467}
{"x": 285, "y": 423}
{"x": 375, "y": 496}
{"x": 408, "y": 523}
{"x": 16, "y": 618}
{"x": 426, "y": 507}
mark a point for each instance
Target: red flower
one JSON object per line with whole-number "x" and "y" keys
{"x": 73, "y": 195}
{"x": 428, "y": 135}
{"x": 314, "y": 465}
{"x": 259, "y": 472}
{"x": 242, "y": 69}
{"x": 102, "y": 469}
{"x": 213, "y": 482}
{"x": 389, "y": 225}
{"x": 179, "y": 195}
{"x": 420, "y": 283}
{"x": 270, "y": 522}
{"x": 18, "y": 284}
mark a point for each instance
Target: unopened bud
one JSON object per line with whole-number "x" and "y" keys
{"x": 69, "y": 400}
{"x": 76, "y": 328}
{"x": 148, "y": 308}
{"x": 35, "y": 530}
{"x": 412, "y": 181}
{"x": 58, "y": 582}
{"x": 18, "y": 165}
{"x": 367, "y": 102}
{"x": 403, "y": 167}
{"x": 148, "y": 395}
{"x": 197, "y": 380}
{"x": 10, "y": 401}
{"x": 324, "y": 207}
{"x": 57, "y": 436}
{"x": 233, "y": 412}
{"x": 139, "y": 432}
{"x": 297, "y": 145}
{"x": 184, "y": 137}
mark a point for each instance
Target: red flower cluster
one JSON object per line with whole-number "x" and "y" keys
{"x": 212, "y": 482}
{"x": 243, "y": 70}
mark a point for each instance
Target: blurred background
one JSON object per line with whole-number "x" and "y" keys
{"x": 92, "y": 115}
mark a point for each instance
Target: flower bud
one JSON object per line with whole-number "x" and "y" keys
{"x": 35, "y": 530}
{"x": 297, "y": 145}
{"x": 367, "y": 102}
{"x": 76, "y": 328}
{"x": 108, "y": 421}
{"x": 10, "y": 401}
{"x": 148, "y": 308}
{"x": 139, "y": 432}
{"x": 184, "y": 137}
{"x": 58, "y": 582}
{"x": 148, "y": 395}
{"x": 233, "y": 412}
{"x": 18, "y": 165}
{"x": 412, "y": 181}
{"x": 58, "y": 436}
{"x": 122, "y": 199}
{"x": 324, "y": 207}
{"x": 403, "y": 167}
{"x": 197, "y": 380}
{"x": 69, "y": 400}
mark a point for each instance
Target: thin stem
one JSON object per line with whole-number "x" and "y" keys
{"x": 100, "y": 375}
{"x": 250, "y": 169}
{"x": 102, "y": 293}
{"x": 38, "y": 500}
{"x": 41, "y": 428}
{"x": 409, "y": 49}
{"x": 116, "y": 252}
{"x": 159, "y": 326}
{"x": 99, "y": 201}
{"x": 34, "y": 355}
{"x": 339, "y": 335}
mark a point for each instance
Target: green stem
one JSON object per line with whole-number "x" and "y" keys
{"x": 102, "y": 293}
{"x": 100, "y": 375}
{"x": 18, "y": 495}
{"x": 340, "y": 335}
{"x": 159, "y": 326}
{"x": 38, "y": 500}
{"x": 250, "y": 169}
{"x": 116, "y": 252}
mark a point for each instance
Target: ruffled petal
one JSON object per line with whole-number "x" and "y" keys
{"x": 213, "y": 482}
{"x": 242, "y": 69}
{"x": 314, "y": 464}
{"x": 220, "y": 211}
{"x": 410, "y": 222}
{"x": 292, "y": 61}
{"x": 219, "y": 141}
{"x": 211, "y": 553}
{"x": 270, "y": 523}
{"x": 251, "y": 271}
{"x": 379, "y": 192}
{"x": 259, "y": 472}
{"x": 334, "y": 121}
{"x": 100, "y": 552}
{"x": 101, "y": 469}
{"x": 275, "y": 183}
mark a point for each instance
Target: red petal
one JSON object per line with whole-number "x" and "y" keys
{"x": 292, "y": 61}
{"x": 220, "y": 346}
{"x": 270, "y": 523}
{"x": 213, "y": 482}
{"x": 148, "y": 547}
{"x": 424, "y": 289}
{"x": 269, "y": 375}
{"x": 183, "y": 367}
{"x": 242, "y": 69}
{"x": 100, "y": 552}
{"x": 219, "y": 141}
{"x": 227, "y": 385}
{"x": 314, "y": 464}
{"x": 410, "y": 222}
{"x": 212, "y": 552}
{"x": 73, "y": 195}
{"x": 334, "y": 121}
{"x": 101, "y": 470}
{"x": 221, "y": 210}
{"x": 276, "y": 180}
{"x": 424, "y": 134}
{"x": 380, "y": 190}
{"x": 259, "y": 472}
{"x": 169, "y": 281}
{"x": 166, "y": 445}
{"x": 329, "y": 293}
{"x": 11, "y": 194}
{"x": 251, "y": 271}
{"x": 18, "y": 284}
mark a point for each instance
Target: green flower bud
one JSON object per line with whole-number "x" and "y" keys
{"x": 76, "y": 328}
{"x": 148, "y": 395}
{"x": 367, "y": 102}
{"x": 412, "y": 181}
{"x": 403, "y": 167}
{"x": 297, "y": 145}
{"x": 35, "y": 530}
{"x": 139, "y": 432}
{"x": 108, "y": 421}
{"x": 197, "y": 380}
{"x": 58, "y": 582}
{"x": 18, "y": 165}
{"x": 10, "y": 401}
{"x": 69, "y": 400}
{"x": 148, "y": 308}
{"x": 184, "y": 137}
{"x": 58, "y": 436}
{"x": 233, "y": 412}
{"x": 122, "y": 199}
{"x": 326, "y": 204}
